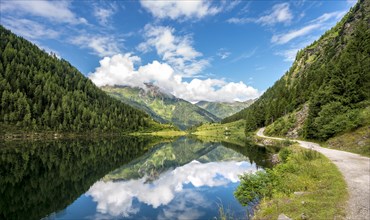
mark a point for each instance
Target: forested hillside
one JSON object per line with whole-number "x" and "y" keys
{"x": 163, "y": 107}
{"x": 224, "y": 109}
{"x": 332, "y": 76}
{"x": 39, "y": 91}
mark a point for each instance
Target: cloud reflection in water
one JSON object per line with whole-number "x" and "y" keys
{"x": 116, "y": 198}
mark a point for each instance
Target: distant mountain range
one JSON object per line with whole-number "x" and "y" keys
{"x": 161, "y": 106}
{"x": 224, "y": 109}
{"x": 166, "y": 108}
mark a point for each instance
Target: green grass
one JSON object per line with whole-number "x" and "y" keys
{"x": 311, "y": 58}
{"x": 357, "y": 141}
{"x": 282, "y": 125}
{"x": 217, "y": 129}
{"x": 324, "y": 189}
{"x": 232, "y": 132}
{"x": 165, "y": 130}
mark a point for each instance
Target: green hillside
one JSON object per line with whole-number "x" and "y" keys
{"x": 39, "y": 91}
{"x": 327, "y": 89}
{"x": 168, "y": 156}
{"x": 165, "y": 108}
{"x": 224, "y": 109}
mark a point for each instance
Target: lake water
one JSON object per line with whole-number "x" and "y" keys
{"x": 125, "y": 178}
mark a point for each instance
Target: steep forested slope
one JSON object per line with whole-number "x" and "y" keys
{"x": 224, "y": 109}
{"x": 332, "y": 76}
{"x": 162, "y": 106}
{"x": 38, "y": 91}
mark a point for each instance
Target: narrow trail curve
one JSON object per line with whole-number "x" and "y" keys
{"x": 356, "y": 172}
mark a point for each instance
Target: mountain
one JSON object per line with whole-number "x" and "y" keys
{"x": 326, "y": 91}
{"x": 39, "y": 91}
{"x": 224, "y": 109}
{"x": 163, "y": 107}
{"x": 171, "y": 155}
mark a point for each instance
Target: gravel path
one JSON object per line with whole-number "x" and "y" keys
{"x": 356, "y": 172}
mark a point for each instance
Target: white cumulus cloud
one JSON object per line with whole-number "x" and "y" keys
{"x": 120, "y": 70}
{"x": 180, "y": 9}
{"x": 176, "y": 50}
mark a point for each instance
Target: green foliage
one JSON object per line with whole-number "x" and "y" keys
{"x": 357, "y": 141}
{"x": 281, "y": 126}
{"x": 333, "y": 119}
{"x": 322, "y": 186}
{"x": 310, "y": 155}
{"x": 332, "y": 75}
{"x": 284, "y": 154}
{"x": 254, "y": 186}
{"x": 38, "y": 91}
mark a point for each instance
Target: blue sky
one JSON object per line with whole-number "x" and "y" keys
{"x": 196, "y": 50}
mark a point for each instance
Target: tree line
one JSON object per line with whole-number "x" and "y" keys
{"x": 39, "y": 91}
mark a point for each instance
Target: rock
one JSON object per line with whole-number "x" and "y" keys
{"x": 275, "y": 159}
{"x": 298, "y": 193}
{"x": 361, "y": 143}
{"x": 304, "y": 216}
{"x": 282, "y": 216}
{"x": 267, "y": 142}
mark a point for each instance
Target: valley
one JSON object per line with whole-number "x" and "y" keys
{"x": 142, "y": 110}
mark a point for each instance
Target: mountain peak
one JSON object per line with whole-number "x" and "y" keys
{"x": 162, "y": 106}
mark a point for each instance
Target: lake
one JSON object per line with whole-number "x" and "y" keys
{"x": 124, "y": 178}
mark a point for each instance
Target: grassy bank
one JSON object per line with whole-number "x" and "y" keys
{"x": 216, "y": 129}
{"x": 10, "y": 132}
{"x": 357, "y": 141}
{"x": 163, "y": 133}
{"x": 305, "y": 185}
{"x": 354, "y": 137}
{"x": 230, "y": 132}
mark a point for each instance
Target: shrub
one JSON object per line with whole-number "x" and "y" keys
{"x": 254, "y": 186}
{"x": 284, "y": 154}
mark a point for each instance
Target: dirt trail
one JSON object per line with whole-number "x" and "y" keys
{"x": 356, "y": 172}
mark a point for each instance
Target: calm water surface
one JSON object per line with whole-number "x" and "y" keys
{"x": 125, "y": 178}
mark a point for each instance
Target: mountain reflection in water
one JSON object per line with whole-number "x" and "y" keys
{"x": 123, "y": 178}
